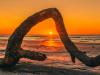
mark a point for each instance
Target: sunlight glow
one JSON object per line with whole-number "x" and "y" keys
{"x": 50, "y": 32}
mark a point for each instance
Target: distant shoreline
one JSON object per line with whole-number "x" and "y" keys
{"x": 38, "y": 35}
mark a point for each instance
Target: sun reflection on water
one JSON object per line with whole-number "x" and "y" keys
{"x": 52, "y": 43}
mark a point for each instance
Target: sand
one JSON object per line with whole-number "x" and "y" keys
{"x": 30, "y": 69}
{"x": 58, "y": 62}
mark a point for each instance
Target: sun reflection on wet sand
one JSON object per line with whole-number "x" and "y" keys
{"x": 52, "y": 43}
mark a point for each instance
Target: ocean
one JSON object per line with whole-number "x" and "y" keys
{"x": 56, "y": 52}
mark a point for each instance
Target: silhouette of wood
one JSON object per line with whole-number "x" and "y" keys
{"x": 12, "y": 58}
{"x": 14, "y": 51}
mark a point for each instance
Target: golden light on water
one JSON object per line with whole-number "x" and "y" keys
{"x": 51, "y": 42}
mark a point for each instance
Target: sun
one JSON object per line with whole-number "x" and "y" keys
{"x": 50, "y": 32}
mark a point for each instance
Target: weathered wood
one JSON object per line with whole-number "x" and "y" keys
{"x": 32, "y": 55}
{"x": 14, "y": 58}
{"x": 13, "y": 55}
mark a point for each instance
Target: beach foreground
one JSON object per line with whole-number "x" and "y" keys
{"x": 30, "y": 69}
{"x": 58, "y": 59}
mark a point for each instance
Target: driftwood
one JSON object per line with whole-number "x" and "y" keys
{"x": 14, "y": 51}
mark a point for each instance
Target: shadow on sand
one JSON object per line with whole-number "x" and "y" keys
{"x": 30, "y": 69}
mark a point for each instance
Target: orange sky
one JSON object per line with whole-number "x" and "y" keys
{"x": 80, "y": 16}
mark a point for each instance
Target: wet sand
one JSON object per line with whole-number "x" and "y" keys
{"x": 29, "y": 69}
{"x": 58, "y": 61}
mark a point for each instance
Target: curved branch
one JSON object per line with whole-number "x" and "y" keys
{"x": 15, "y": 41}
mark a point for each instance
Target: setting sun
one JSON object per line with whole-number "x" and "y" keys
{"x": 50, "y": 32}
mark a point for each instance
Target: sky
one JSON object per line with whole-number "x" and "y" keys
{"x": 80, "y": 16}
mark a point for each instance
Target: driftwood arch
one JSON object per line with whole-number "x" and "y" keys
{"x": 14, "y": 51}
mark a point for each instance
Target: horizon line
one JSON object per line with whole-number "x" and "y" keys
{"x": 54, "y": 35}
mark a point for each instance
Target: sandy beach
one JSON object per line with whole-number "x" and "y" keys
{"x": 29, "y": 69}
{"x": 58, "y": 61}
